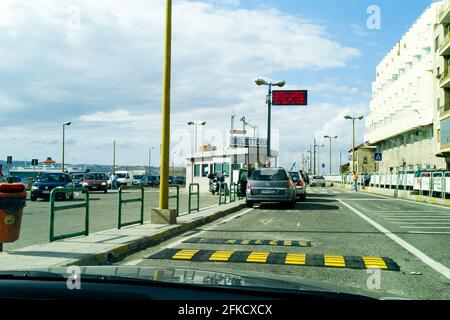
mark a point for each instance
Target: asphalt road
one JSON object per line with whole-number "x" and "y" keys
{"x": 103, "y": 214}
{"x": 351, "y": 226}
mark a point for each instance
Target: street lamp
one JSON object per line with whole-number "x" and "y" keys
{"x": 353, "y": 139}
{"x": 330, "y": 137}
{"x": 150, "y": 159}
{"x": 195, "y": 124}
{"x": 67, "y": 123}
{"x": 318, "y": 157}
{"x": 261, "y": 82}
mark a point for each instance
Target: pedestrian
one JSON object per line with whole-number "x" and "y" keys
{"x": 114, "y": 181}
{"x": 355, "y": 181}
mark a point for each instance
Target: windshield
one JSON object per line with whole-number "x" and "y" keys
{"x": 303, "y": 139}
{"x": 51, "y": 177}
{"x": 269, "y": 174}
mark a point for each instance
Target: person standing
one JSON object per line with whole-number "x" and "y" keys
{"x": 114, "y": 181}
{"x": 355, "y": 181}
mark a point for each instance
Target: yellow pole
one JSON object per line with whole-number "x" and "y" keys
{"x": 165, "y": 137}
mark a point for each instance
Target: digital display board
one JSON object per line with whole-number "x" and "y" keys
{"x": 290, "y": 98}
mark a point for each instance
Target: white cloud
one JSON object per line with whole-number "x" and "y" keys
{"x": 107, "y": 73}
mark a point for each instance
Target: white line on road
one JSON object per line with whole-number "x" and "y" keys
{"x": 422, "y": 223}
{"x": 411, "y": 227}
{"x": 404, "y": 212}
{"x": 429, "y": 232}
{"x": 425, "y": 204}
{"x": 176, "y": 243}
{"x": 133, "y": 262}
{"x": 424, "y": 219}
{"x": 416, "y": 252}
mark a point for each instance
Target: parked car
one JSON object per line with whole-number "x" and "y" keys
{"x": 46, "y": 182}
{"x": 124, "y": 178}
{"x": 317, "y": 180}
{"x": 139, "y": 180}
{"x": 77, "y": 179}
{"x": 153, "y": 181}
{"x": 96, "y": 181}
{"x": 271, "y": 185}
{"x": 300, "y": 185}
{"x": 179, "y": 180}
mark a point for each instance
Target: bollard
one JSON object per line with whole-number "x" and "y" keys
{"x": 119, "y": 206}
{"x": 196, "y": 193}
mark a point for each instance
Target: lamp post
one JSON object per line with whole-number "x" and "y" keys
{"x": 114, "y": 158}
{"x": 67, "y": 123}
{"x": 318, "y": 157}
{"x": 195, "y": 124}
{"x": 353, "y": 138}
{"x": 150, "y": 159}
{"x": 280, "y": 84}
{"x": 330, "y": 137}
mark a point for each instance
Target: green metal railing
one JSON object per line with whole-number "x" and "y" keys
{"x": 176, "y": 196}
{"x": 54, "y": 208}
{"x": 233, "y": 191}
{"x": 194, "y": 193}
{"x": 223, "y": 188}
{"x": 120, "y": 201}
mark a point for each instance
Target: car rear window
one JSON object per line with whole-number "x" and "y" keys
{"x": 294, "y": 175}
{"x": 269, "y": 174}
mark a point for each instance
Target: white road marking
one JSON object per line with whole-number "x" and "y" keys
{"x": 266, "y": 221}
{"x": 403, "y": 212}
{"x": 429, "y": 232}
{"x": 439, "y": 267}
{"x": 422, "y": 223}
{"x": 133, "y": 262}
{"x": 298, "y": 224}
{"x": 411, "y": 227}
{"x": 424, "y": 203}
{"x": 423, "y": 219}
{"x": 233, "y": 216}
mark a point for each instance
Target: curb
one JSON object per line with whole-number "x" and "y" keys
{"x": 123, "y": 250}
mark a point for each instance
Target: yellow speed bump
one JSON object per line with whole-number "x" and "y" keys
{"x": 334, "y": 261}
{"x": 185, "y": 254}
{"x": 374, "y": 262}
{"x": 256, "y": 256}
{"x": 221, "y": 255}
{"x": 295, "y": 258}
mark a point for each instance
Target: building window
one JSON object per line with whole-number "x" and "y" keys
{"x": 205, "y": 170}
{"x": 197, "y": 170}
{"x": 218, "y": 168}
{"x": 445, "y": 132}
{"x": 226, "y": 169}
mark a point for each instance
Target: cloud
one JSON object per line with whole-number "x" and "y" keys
{"x": 105, "y": 74}
{"x": 358, "y": 30}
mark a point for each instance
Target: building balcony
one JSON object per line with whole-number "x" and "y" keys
{"x": 443, "y": 14}
{"x": 444, "y": 48}
{"x": 444, "y": 110}
{"x": 445, "y": 80}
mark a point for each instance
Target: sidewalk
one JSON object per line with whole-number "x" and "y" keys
{"x": 402, "y": 194}
{"x": 108, "y": 246}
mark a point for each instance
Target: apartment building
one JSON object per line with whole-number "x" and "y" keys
{"x": 401, "y": 123}
{"x": 442, "y": 75}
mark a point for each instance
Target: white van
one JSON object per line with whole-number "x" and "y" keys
{"x": 124, "y": 178}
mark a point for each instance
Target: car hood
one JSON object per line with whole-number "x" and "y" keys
{"x": 220, "y": 278}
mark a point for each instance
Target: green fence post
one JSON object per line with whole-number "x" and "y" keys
{"x": 177, "y": 196}
{"x": 54, "y": 208}
{"x": 197, "y": 193}
{"x": 120, "y": 201}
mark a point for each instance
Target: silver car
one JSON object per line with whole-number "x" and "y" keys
{"x": 300, "y": 185}
{"x": 270, "y": 185}
{"x": 317, "y": 181}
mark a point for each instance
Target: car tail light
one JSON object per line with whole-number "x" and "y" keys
{"x": 249, "y": 185}
{"x": 289, "y": 183}
{"x": 300, "y": 183}
{"x": 12, "y": 188}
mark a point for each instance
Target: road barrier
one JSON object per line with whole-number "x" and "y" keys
{"x": 194, "y": 193}
{"x": 120, "y": 201}
{"x": 176, "y": 196}
{"x": 223, "y": 190}
{"x": 233, "y": 191}
{"x": 54, "y": 208}
{"x": 429, "y": 183}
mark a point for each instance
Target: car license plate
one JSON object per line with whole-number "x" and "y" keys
{"x": 268, "y": 191}
{"x": 46, "y": 191}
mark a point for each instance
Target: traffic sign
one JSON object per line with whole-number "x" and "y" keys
{"x": 378, "y": 156}
{"x": 289, "y": 97}
{"x": 34, "y": 162}
{"x": 323, "y": 165}
{"x": 9, "y": 159}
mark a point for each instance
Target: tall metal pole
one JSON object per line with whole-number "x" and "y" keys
{"x": 149, "y": 160}
{"x": 63, "y": 148}
{"x": 353, "y": 146}
{"x": 114, "y": 158}
{"x": 195, "y": 137}
{"x": 269, "y": 110}
{"x": 310, "y": 160}
{"x": 318, "y": 159}
{"x": 314, "y": 172}
{"x": 165, "y": 136}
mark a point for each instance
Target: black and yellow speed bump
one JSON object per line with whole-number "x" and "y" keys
{"x": 286, "y": 243}
{"x": 264, "y": 257}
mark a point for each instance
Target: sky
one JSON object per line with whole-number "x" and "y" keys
{"x": 99, "y": 65}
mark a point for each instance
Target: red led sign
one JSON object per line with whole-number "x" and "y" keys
{"x": 290, "y": 98}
